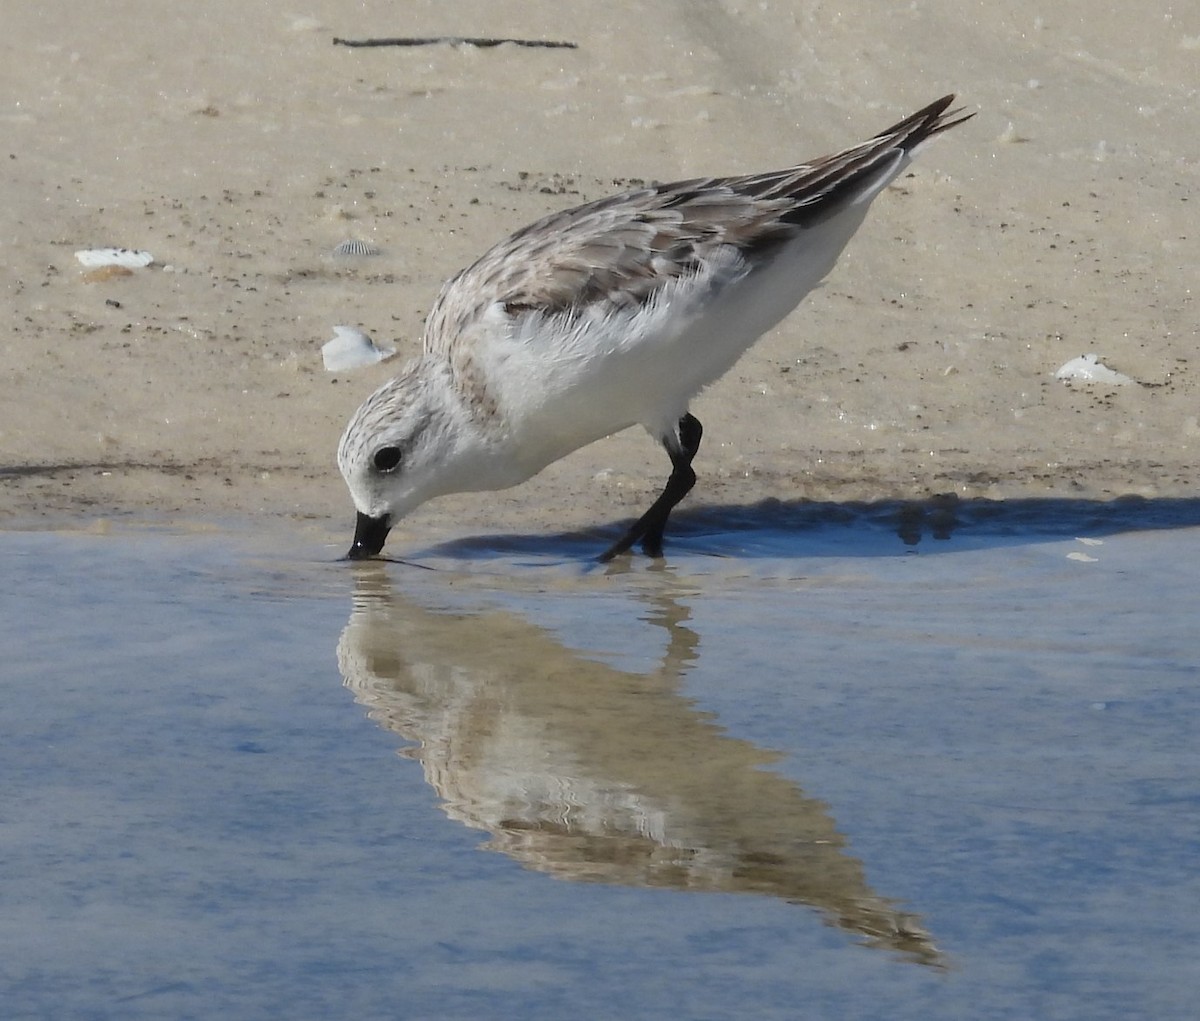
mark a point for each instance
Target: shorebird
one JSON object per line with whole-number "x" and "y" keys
{"x": 612, "y": 314}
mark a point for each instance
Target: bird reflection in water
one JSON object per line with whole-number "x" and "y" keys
{"x": 591, "y": 773}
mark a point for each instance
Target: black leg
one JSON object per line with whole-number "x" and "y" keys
{"x": 648, "y": 529}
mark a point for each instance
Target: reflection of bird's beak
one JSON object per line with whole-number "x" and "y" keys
{"x": 369, "y": 536}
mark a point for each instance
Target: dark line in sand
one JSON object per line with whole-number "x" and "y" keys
{"x": 457, "y": 40}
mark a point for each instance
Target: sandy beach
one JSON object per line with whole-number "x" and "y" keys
{"x": 239, "y": 146}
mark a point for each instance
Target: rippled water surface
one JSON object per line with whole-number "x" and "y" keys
{"x": 883, "y": 767}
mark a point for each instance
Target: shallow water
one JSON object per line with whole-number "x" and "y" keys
{"x": 813, "y": 770}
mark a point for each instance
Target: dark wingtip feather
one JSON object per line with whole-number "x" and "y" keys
{"x": 937, "y": 117}
{"x": 925, "y": 123}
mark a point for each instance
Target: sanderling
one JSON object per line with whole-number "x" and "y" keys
{"x": 612, "y": 314}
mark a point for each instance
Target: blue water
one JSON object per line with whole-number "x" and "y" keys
{"x": 805, "y": 773}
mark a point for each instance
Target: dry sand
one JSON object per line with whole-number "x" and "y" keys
{"x": 239, "y": 145}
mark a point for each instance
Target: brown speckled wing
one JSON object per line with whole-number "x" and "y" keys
{"x": 621, "y": 250}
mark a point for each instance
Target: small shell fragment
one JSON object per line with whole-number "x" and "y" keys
{"x": 355, "y": 247}
{"x": 127, "y": 258}
{"x": 102, "y": 274}
{"x": 350, "y": 348}
{"x": 1089, "y": 369}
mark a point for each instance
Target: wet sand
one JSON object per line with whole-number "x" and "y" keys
{"x": 239, "y": 146}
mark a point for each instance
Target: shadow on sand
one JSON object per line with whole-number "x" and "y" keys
{"x": 802, "y": 527}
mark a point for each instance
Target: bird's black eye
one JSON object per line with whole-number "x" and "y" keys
{"x": 386, "y": 458}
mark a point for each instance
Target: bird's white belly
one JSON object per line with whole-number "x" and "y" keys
{"x": 562, "y": 389}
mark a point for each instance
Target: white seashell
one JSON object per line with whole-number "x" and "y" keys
{"x": 352, "y": 349}
{"x": 1089, "y": 369}
{"x": 127, "y": 258}
{"x": 355, "y": 247}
